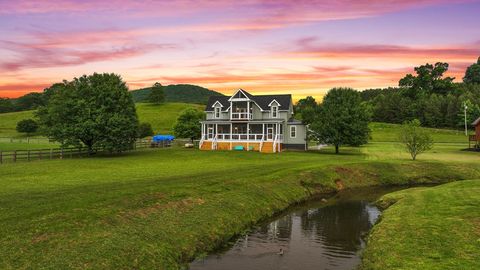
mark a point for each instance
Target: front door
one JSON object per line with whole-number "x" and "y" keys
{"x": 269, "y": 133}
{"x": 210, "y": 133}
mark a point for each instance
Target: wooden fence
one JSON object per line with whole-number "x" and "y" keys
{"x": 69, "y": 152}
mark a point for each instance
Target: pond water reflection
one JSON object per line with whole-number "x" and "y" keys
{"x": 314, "y": 235}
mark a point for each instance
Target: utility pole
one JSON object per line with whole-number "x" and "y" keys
{"x": 465, "y": 114}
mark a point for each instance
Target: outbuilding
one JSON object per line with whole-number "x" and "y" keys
{"x": 476, "y": 138}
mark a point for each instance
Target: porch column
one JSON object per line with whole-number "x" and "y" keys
{"x": 248, "y": 111}
{"x": 216, "y": 130}
{"x": 263, "y": 131}
{"x": 231, "y": 130}
{"x": 248, "y": 135}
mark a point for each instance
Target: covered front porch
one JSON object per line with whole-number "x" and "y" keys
{"x": 252, "y": 132}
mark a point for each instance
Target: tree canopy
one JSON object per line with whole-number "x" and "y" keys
{"x": 307, "y": 109}
{"x": 472, "y": 74}
{"x": 429, "y": 79}
{"x": 343, "y": 119}
{"x": 439, "y": 109}
{"x": 95, "y": 111}
{"x": 157, "y": 94}
{"x": 188, "y": 124}
{"x": 27, "y": 126}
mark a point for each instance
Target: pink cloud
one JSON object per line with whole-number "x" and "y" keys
{"x": 39, "y": 55}
{"x": 269, "y": 12}
{"x": 309, "y": 47}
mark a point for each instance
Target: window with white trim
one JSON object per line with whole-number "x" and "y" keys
{"x": 293, "y": 131}
{"x": 274, "y": 111}
{"x": 217, "y": 112}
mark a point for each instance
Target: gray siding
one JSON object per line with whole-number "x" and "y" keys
{"x": 300, "y": 135}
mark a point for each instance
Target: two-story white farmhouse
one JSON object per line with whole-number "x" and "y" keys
{"x": 249, "y": 122}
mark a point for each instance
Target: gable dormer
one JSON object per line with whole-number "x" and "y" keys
{"x": 274, "y": 108}
{"x": 217, "y": 109}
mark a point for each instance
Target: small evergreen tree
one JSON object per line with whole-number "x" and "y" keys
{"x": 157, "y": 94}
{"x": 145, "y": 130}
{"x": 415, "y": 139}
{"x": 343, "y": 119}
{"x": 27, "y": 126}
{"x": 188, "y": 124}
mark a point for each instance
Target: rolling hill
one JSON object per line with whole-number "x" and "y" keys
{"x": 185, "y": 93}
{"x": 161, "y": 117}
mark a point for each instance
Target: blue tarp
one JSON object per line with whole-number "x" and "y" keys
{"x": 163, "y": 138}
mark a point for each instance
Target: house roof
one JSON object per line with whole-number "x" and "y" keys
{"x": 476, "y": 122}
{"x": 293, "y": 121}
{"x": 221, "y": 99}
{"x": 263, "y": 101}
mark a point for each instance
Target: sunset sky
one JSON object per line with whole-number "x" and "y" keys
{"x": 298, "y": 47}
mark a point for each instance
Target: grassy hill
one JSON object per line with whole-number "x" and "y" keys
{"x": 161, "y": 117}
{"x": 185, "y": 93}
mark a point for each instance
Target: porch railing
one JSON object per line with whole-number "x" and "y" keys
{"x": 241, "y": 116}
{"x": 240, "y": 137}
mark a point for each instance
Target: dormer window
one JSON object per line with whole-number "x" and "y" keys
{"x": 217, "y": 112}
{"x": 274, "y": 111}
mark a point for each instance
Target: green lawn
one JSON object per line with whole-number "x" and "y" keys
{"x": 160, "y": 208}
{"x": 8, "y": 123}
{"x": 384, "y": 132}
{"x": 428, "y": 228}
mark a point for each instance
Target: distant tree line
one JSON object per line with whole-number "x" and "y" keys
{"x": 435, "y": 100}
{"x": 429, "y": 96}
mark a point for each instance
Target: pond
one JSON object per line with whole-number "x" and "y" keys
{"x": 313, "y": 235}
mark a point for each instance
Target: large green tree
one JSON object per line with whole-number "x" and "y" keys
{"x": 188, "y": 124}
{"x": 472, "y": 74}
{"x": 343, "y": 119}
{"x": 157, "y": 95}
{"x": 429, "y": 79}
{"x": 96, "y": 111}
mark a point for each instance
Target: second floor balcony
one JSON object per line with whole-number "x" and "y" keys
{"x": 241, "y": 116}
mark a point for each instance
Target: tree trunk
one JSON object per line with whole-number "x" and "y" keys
{"x": 337, "y": 149}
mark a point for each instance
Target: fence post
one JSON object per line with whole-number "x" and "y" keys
{"x": 14, "y": 155}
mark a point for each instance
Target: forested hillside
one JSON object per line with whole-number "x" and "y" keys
{"x": 185, "y": 93}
